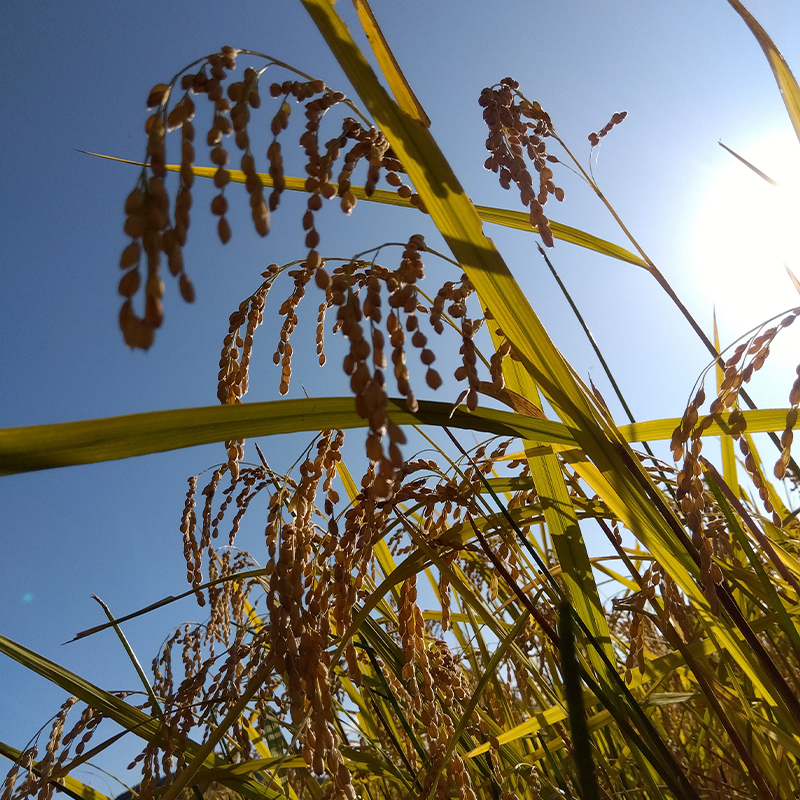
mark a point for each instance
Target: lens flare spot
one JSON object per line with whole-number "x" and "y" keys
{"x": 747, "y": 230}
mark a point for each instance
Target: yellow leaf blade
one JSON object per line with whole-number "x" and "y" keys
{"x": 400, "y": 87}
{"x": 68, "y": 443}
{"x": 497, "y": 216}
{"x": 787, "y": 84}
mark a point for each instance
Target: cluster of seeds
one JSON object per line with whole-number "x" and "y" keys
{"x": 496, "y": 364}
{"x": 673, "y": 606}
{"x": 46, "y": 765}
{"x": 299, "y": 592}
{"x": 363, "y": 323}
{"x": 518, "y": 127}
{"x": 747, "y": 358}
{"x": 650, "y": 581}
{"x": 686, "y": 445}
{"x": 364, "y": 326}
{"x": 234, "y": 364}
{"x": 315, "y": 577}
{"x": 594, "y": 138}
{"x": 147, "y": 208}
{"x": 787, "y": 435}
{"x": 26, "y": 787}
{"x": 367, "y": 330}
{"x": 42, "y": 777}
{"x": 428, "y": 670}
{"x": 288, "y": 310}
{"x": 692, "y": 497}
{"x": 523, "y": 781}
{"x": 154, "y": 230}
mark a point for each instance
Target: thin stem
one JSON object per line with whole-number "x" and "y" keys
{"x": 602, "y": 360}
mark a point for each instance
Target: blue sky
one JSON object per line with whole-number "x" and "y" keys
{"x": 688, "y": 73}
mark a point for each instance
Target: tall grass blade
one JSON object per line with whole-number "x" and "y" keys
{"x": 787, "y": 84}
{"x": 770, "y": 593}
{"x": 753, "y": 167}
{"x": 154, "y": 704}
{"x": 400, "y": 87}
{"x": 570, "y": 673}
{"x": 65, "y": 444}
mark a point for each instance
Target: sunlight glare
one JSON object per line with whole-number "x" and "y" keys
{"x": 746, "y": 231}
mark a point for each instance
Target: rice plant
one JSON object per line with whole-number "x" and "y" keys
{"x": 429, "y": 624}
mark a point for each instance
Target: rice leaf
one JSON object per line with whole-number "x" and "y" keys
{"x": 400, "y": 87}
{"x": 64, "y": 444}
{"x": 497, "y": 216}
{"x": 790, "y": 91}
{"x": 570, "y": 672}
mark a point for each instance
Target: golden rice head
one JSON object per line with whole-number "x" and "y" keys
{"x": 284, "y": 351}
{"x": 649, "y": 582}
{"x": 496, "y": 365}
{"x": 26, "y": 786}
{"x": 616, "y": 119}
{"x": 518, "y": 127}
{"x": 84, "y": 728}
{"x": 191, "y": 549}
{"x": 746, "y": 358}
{"x": 47, "y": 764}
{"x": 791, "y": 420}
{"x": 148, "y": 219}
{"x": 635, "y": 643}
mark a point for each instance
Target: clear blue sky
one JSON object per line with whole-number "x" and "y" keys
{"x": 77, "y": 76}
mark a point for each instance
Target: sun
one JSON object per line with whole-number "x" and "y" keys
{"x": 747, "y": 231}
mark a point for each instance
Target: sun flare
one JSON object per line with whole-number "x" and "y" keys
{"x": 747, "y": 230}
